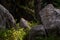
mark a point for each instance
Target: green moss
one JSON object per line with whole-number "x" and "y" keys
{"x": 12, "y": 34}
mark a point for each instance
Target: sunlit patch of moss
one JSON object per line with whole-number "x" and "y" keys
{"x": 12, "y": 34}
{"x": 32, "y": 23}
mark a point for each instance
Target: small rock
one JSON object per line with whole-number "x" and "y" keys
{"x": 24, "y": 23}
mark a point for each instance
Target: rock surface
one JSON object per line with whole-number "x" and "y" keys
{"x": 24, "y": 23}
{"x": 37, "y": 30}
{"x": 50, "y": 17}
{"x": 6, "y": 19}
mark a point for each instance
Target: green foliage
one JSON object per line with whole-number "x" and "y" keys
{"x": 28, "y": 6}
{"x": 12, "y": 34}
{"x": 56, "y": 3}
{"x": 21, "y": 34}
{"x": 51, "y": 37}
{"x": 32, "y": 23}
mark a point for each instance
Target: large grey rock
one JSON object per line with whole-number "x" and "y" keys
{"x": 50, "y": 17}
{"x": 6, "y": 19}
{"x": 24, "y": 23}
{"x": 37, "y": 30}
{"x": 41, "y": 31}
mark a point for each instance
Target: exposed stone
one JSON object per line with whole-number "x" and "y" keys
{"x": 37, "y": 30}
{"x": 50, "y": 18}
{"x": 24, "y": 23}
{"x": 6, "y": 19}
{"x": 42, "y": 31}
{"x": 48, "y": 15}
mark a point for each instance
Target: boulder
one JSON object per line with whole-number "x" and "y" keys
{"x": 50, "y": 17}
{"x": 37, "y": 30}
{"x": 6, "y": 19}
{"x": 41, "y": 31}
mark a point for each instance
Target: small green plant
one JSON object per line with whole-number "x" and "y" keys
{"x": 12, "y": 34}
{"x": 32, "y": 23}
{"x": 50, "y": 37}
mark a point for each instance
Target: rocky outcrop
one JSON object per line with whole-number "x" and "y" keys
{"x": 7, "y": 20}
{"x": 50, "y": 17}
{"x": 36, "y": 30}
